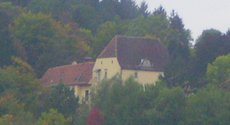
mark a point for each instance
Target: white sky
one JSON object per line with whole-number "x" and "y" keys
{"x": 197, "y": 15}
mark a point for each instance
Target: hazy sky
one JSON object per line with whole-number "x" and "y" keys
{"x": 197, "y": 15}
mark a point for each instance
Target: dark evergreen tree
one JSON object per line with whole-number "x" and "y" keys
{"x": 179, "y": 38}
{"x": 143, "y": 9}
{"x": 63, "y": 99}
{"x": 160, "y": 11}
{"x": 127, "y": 9}
{"x": 7, "y": 47}
{"x": 176, "y": 72}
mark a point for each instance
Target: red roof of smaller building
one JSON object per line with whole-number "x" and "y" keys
{"x": 75, "y": 74}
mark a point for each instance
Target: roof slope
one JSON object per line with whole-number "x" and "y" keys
{"x": 75, "y": 74}
{"x": 131, "y": 50}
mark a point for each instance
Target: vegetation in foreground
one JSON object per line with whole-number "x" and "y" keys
{"x": 39, "y": 34}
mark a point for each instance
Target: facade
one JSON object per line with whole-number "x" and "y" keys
{"x": 142, "y": 58}
{"x": 75, "y": 75}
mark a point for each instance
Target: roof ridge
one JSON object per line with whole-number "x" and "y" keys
{"x": 57, "y": 67}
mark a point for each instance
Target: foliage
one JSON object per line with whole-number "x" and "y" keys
{"x": 12, "y": 110}
{"x": 218, "y": 72}
{"x": 63, "y": 99}
{"x": 167, "y": 107}
{"x": 53, "y": 118}
{"x": 82, "y": 114}
{"x": 131, "y": 103}
{"x": 112, "y": 99}
{"x": 19, "y": 77}
{"x": 95, "y": 118}
{"x": 7, "y": 13}
{"x": 208, "y": 106}
{"x": 210, "y": 45}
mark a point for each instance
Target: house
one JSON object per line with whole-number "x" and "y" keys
{"x": 76, "y": 75}
{"x": 140, "y": 57}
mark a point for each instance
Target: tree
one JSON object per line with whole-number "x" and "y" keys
{"x": 218, "y": 72}
{"x": 52, "y": 117}
{"x": 83, "y": 15}
{"x": 108, "y": 9}
{"x": 48, "y": 43}
{"x": 7, "y": 14}
{"x": 160, "y": 11}
{"x": 179, "y": 38}
{"x": 208, "y": 47}
{"x": 17, "y": 2}
{"x": 104, "y": 34}
{"x": 20, "y": 80}
{"x": 36, "y": 33}
{"x": 127, "y": 9}
{"x": 143, "y": 9}
{"x": 12, "y": 110}
{"x": 167, "y": 107}
{"x": 95, "y": 118}
{"x": 19, "y": 77}
{"x": 60, "y": 10}
{"x": 209, "y": 106}
{"x": 63, "y": 99}
{"x": 119, "y": 102}
{"x": 177, "y": 70}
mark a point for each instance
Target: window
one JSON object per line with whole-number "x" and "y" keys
{"x": 86, "y": 95}
{"x": 106, "y": 72}
{"x": 98, "y": 76}
{"x": 135, "y": 75}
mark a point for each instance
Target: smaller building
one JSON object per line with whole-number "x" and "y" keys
{"x": 76, "y": 75}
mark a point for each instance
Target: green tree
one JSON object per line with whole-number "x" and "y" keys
{"x": 143, "y": 9}
{"x": 7, "y": 14}
{"x": 63, "y": 99}
{"x": 209, "y": 46}
{"x": 52, "y": 117}
{"x": 17, "y": 2}
{"x": 48, "y": 43}
{"x": 21, "y": 80}
{"x": 36, "y": 33}
{"x": 167, "y": 107}
{"x": 119, "y": 102}
{"x": 12, "y": 110}
{"x": 209, "y": 106}
{"x": 127, "y": 9}
{"x": 218, "y": 72}
{"x": 19, "y": 77}
{"x": 83, "y": 15}
{"x": 104, "y": 34}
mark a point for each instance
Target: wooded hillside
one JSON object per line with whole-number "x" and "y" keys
{"x": 39, "y": 34}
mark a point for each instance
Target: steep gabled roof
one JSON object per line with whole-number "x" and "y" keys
{"x": 131, "y": 50}
{"x": 75, "y": 74}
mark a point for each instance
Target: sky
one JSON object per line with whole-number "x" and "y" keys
{"x": 197, "y": 15}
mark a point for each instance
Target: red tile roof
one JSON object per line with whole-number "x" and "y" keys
{"x": 75, "y": 74}
{"x": 131, "y": 50}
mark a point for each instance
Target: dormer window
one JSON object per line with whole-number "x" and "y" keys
{"x": 145, "y": 63}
